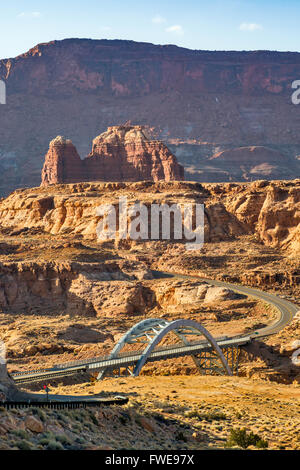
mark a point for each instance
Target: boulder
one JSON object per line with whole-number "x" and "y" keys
{"x": 34, "y": 424}
{"x": 215, "y": 294}
{"x": 146, "y": 424}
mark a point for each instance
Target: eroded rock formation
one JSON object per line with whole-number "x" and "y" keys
{"x": 40, "y": 276}
{"x": 122, "y": 153}
{"x": 34, "y": 287}
{"x": 268, "y": 210}
{"x": 8, "y": 389}
{"x": 62, "y": 163}
{"x": 207, "y": 101}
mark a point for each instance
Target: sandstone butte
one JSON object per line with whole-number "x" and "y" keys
{"x": 122, "y": 153}
{"x": 200, "y": 103}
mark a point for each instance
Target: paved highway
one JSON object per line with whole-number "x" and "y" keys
{"x": 286, "y": 311}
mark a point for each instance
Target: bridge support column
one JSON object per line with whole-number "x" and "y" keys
{"x": 232, "y": 355}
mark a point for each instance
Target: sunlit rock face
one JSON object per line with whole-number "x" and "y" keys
{"x": 200, "y": 103}
{"x": 122, "y": 153}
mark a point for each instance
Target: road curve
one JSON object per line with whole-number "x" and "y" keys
{"x": 286, "y": 310}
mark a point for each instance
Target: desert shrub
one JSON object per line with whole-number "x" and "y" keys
{"x": 48, "y": 435}
{"x": 240, "y": 437}
{"x": 79, "y": 415}
{"x": 54, "y": 445}
{"x": 93, "y": 419}
{"x": 63, "y": 439}
{"x": 209, "y": 416}
{"x": 261, "y": 444}
{"x": 213, "y": 416}
{"x": 77, "y": 427}
{"x": 63, "y": 419}
{"x": 124, "y": 418}
{"x": 20, "y": 433}
{"x": 180, "y": 437}
{"x": 24, "y": 445}
{"x": 192, "y": 414}
{"x": 44, "y": 441}
{"x": 161, "y": 419}
{"x": 40, "y": 413}
{"x": 63, "y": 414}
{"x": 80, "y": 440}
{"x": 90, "y": 426}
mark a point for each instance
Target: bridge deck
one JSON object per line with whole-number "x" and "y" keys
{"x": 124, "y": 359}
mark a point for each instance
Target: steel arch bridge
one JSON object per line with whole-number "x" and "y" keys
{"x": 151, "y": 331}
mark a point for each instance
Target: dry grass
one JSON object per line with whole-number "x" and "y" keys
{"x": 212, "y": 406}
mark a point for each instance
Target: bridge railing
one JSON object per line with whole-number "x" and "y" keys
{"x": 78, "y": 362}
{"x": 168, "y": 347}
{"x": 120, "y": 354}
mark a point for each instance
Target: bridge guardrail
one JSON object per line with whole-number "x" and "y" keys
{"x": 131, "y": 356}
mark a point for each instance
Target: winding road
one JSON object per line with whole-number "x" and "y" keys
{"x": 286, "y": 311}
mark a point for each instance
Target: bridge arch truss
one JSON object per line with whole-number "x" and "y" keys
{"x": 150, "y": 333}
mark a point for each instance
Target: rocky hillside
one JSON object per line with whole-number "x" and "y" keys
{"x": 171, "y": 413}
{"x": 7, "y": 386}
{"x": 267, "y": 210}
{"x": 122, "y": 153}
{"x": 201, "y": 102}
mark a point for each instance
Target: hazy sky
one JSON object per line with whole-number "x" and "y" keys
{"x": 196, "y": 24}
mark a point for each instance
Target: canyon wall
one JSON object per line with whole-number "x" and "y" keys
{"x": 267, "y": 210}
{"x": 201, "y": 103}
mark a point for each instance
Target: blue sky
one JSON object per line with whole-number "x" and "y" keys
{"x": 196, "y": 24}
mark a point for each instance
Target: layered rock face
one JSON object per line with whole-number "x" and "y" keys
{"x": 122, "y": 153}
{"x": 267, "y": 210}
{"x": 255, "y": 162}
{"x": 206, "y": 101}
{"x": 34, "y": 287}
{"x": 125, "y": 153}
{"x": 6, "y": 384}
{"x": 62, "y": 163}
{"x": 8, "y": 389}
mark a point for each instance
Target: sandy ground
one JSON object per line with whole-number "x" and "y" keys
{"x": 212, "y": 405}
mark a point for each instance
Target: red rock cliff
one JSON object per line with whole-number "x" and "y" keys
{"x": 207, "y": 101}
{"x": 62, "y": 163}
{"x": 122, "y": 153}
